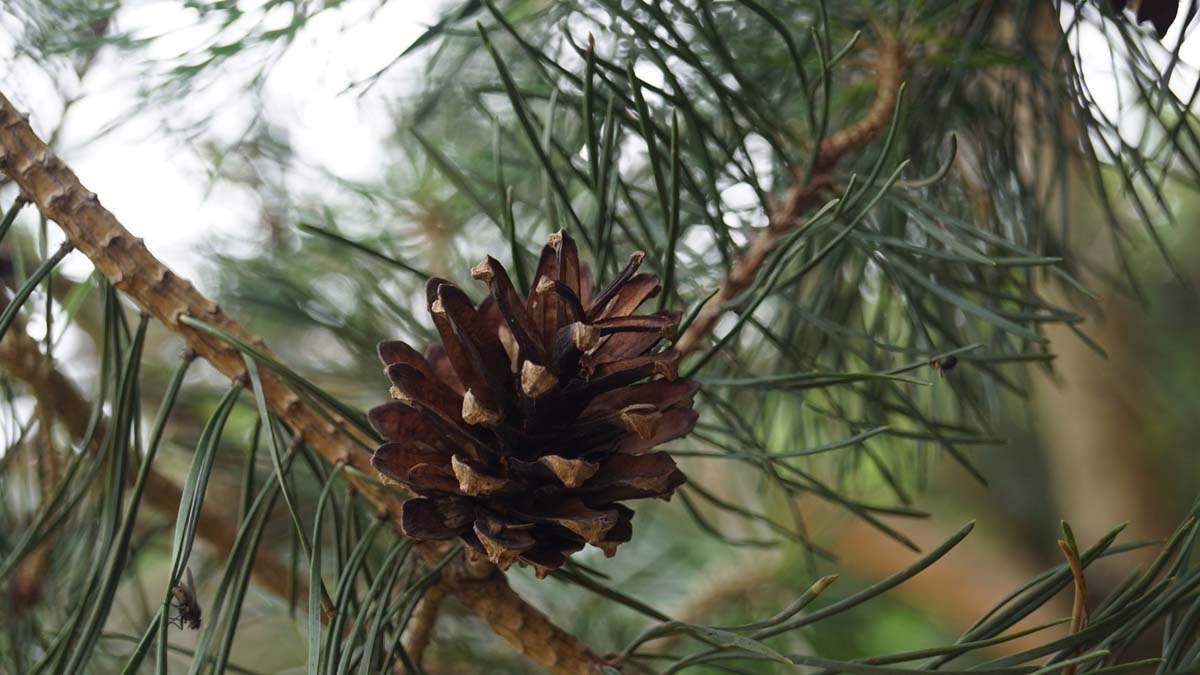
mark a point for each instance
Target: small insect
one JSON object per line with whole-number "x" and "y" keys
{"x": 944, "y": 364}
{"x": 185, "y": 604}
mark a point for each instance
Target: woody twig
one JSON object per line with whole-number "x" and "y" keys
{"x": 58, "y": 397}
{"x": 804, "y": 195}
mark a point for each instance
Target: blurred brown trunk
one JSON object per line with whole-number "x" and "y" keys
{"x": 1091, "y": 415}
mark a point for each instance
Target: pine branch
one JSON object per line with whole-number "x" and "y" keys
{"x": 21, "y": 358}
{"x": 805, "y": 194}
{"x": 125, "y": 261}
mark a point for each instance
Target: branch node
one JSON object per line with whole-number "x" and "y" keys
{"x": 291, "y": 404}
{"x": 110, "y": 239}
{"x": 59, "y": 201}
{"x": 477, "y": 566}
{"x": 613, "y": 660}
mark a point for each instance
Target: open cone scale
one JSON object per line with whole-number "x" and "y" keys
{"x": 524, "y": 431}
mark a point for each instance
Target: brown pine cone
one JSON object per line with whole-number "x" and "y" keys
{"x": 536, "y": 417}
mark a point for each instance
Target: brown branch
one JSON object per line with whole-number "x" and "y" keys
{"x": 420, "y": 627}
{"x": 125, "y": 261}
{"x": 25, "y": 589}
{"x": 889, "y": 64}
{"x": 21, "y": 358}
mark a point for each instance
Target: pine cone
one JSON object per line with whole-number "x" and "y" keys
{"x": 536, "y": 416}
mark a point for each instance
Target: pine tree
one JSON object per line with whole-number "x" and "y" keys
{"x": 854, "y": 229}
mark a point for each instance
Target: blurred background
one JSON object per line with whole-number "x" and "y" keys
{"x": 248, "y": 142}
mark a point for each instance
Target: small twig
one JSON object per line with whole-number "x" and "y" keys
{"x": 26, "y": 586}
{"x": 734, "y": 582}
{"x": 889, "y": 64}
{"x": 21, "y": 357}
